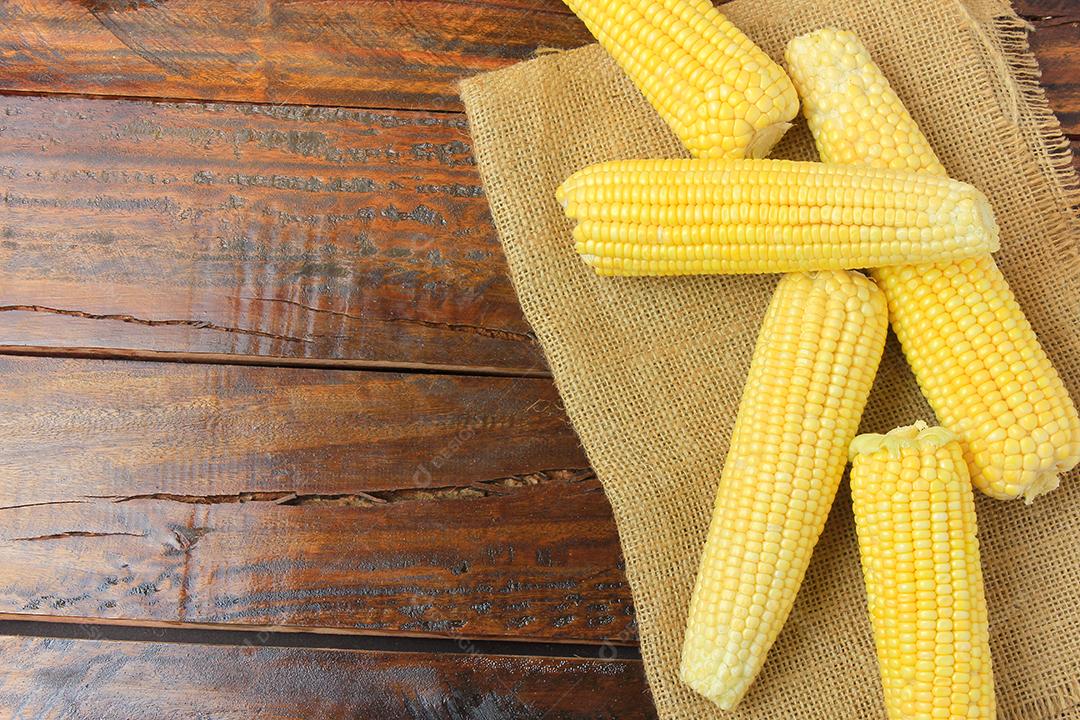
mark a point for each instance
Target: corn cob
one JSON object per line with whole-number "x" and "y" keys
{"x": 973, "y": 352}
{"x": 718, "y": 92}
{"x": 811, "y": 372}
{"x": 915, "y": 518}
{"x": 679, "y": 217}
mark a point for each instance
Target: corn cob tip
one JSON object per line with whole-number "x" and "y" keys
{"x": 717, "y": 690}
{"x": 822, "y": 36}
{"x": 1040, "y": 485}
{"x": 917, "y": 435}
{"x": 719, "y": 93}
{"x": 853, "y": 113}
{"x": 765, "y": 139}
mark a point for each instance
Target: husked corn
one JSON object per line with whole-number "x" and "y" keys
{"x": 719, "y": 93}
{"x": 972, "y": 350}
{"x": 915, "y": 518}
{"x": 679, "y": 217}
{"x": 811, "y": 372}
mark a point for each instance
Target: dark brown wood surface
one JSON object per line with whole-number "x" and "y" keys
{"x": 303, "y": 233}
{"x": 94, "y": 679}
{"x": 74, "y": 429}
{"x": 1061, "y": 10}
{"x": 375, "y": 54}
{"x": 352, "y": 501}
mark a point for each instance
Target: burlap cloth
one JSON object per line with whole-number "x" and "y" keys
{"x": 651, "y": 370}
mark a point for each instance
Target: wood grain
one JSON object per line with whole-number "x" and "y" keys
{"x": 1047, "y": 9}
{"x": 356, "y": 501}
{"x": 96, "y": 679}
{"x": 375, "y": 54}
{"x": 239, "y": 229}
{"x": 83, "y": 427}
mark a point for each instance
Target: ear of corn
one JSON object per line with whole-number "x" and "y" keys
{"x": 812, "y": 369}
{"x": 975, "y": 355}
{"x": 678, "y": 217}
{"x": 719, "y": 93}
{"x": 915, "y": 518}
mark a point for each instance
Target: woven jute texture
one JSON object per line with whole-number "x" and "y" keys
{"x": 651, "y": 370}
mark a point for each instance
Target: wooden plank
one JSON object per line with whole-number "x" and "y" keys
{"x": 1047, "y": 8}
{"x": 239, "y": 229}
{"x": 86, "y": 427}
{"x": 540, "y": 561}
{"x": 1055, "y": 46}
{"x": 376, "y": 54}
{"x": 354, "y": 501}
{"x": 98, "y": 679}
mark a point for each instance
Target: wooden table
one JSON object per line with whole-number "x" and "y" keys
{"x": 275, "y": 440}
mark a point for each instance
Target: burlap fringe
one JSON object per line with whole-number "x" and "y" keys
{"x": 1010, "y": 36}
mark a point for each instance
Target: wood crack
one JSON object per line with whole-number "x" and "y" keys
{"x": 463, "y": 327}
{"x": 198, "y": 324}
{"x": 186, "y": 538}
{"x": 75, "y": 533}
{"x": 39, "y": 504}
{"x": 371, "y": 498}
{"x": 482, "y": 330}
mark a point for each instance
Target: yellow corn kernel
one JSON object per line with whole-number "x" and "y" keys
{"x": 812, "y": 369}
{"x": 718, "y": 92}
{"x": 915, "y": 518}
{"x": 975, "y": 355}
{"x": 680, "y": 217}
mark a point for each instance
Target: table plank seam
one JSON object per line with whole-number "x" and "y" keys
{"x": 279, "y": 636}
{"x": 270, "y": 361}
